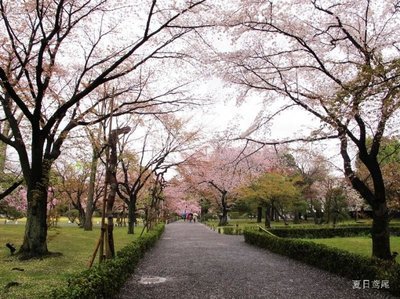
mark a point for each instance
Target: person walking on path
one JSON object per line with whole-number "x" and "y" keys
{"x": 224, "y": 266}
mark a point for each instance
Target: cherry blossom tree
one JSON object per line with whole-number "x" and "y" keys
{"x": 221, "y": 169}
{"x": 339, "y": 63}
{"x": 73, "y": 186}
{"x": 58, "y": 53}
{"x": 162, "y": 147}
{"x": 178, "y": 199}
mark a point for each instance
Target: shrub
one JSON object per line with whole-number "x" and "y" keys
{"x": 319, "y": 233}
{"x": 105, "y": 280}
{"x": 227, "y": 230}
{"x": 353, "y": 266}
{"x": 234, "y": 215}
{"x": 230, "y": 230}
{"x": 208, "y": 216}
{"x": 72, "y": 215}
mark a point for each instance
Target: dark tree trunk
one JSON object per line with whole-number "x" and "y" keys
{"x": 111, "y": 177}
{"x": 335, "y": 218}
{"x": 380, "y": 232}
{"x": 81, "y": 211}
{"x": 328, "y": 212}
{"x": 35, "y": 238}
{"x": 279, "y": 214}
{"x": 223, "y": 218}
{"x": 375, "y": 196}
{"x": 34, "y": 244}
{"x": 82, "y": 218}
{"x": 355, "y": 214}
{"x": 259, "y": 214}
{"x": 37, "y": 179}
{"x": 268, "y": 216}
{"x": 318, "y": 216}
{"x": 110, "y": 248}
{"x": 131, "y": 215}
{"x": 296, "y": 219}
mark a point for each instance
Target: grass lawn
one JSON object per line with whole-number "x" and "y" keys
{"x": 76, "y": 246}
{"x": 358, "y": 245}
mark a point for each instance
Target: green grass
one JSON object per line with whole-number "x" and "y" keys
{"x": 76, "y": 246}
{"x": 358, "y": 245}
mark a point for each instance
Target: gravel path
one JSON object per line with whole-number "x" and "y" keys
{"x": 192, "y": 261}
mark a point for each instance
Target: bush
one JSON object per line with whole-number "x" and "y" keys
{"x": 234, "y": 215}
{"x": 353, "y": 266}
{"x": 105, "y": 280}
{"x": 227, "y": 230}
{"x": 208, "y": 216}
{"x": 320, "y": 233}
{"x": 230, "y": 230}
{"x": 10, "y": 212}
{"x": 72, "y": 215}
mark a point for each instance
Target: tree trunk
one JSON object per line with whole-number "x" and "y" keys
{"x": 3, "y": 146}
{"x": 328, "y": 212}
{"x": 296, "y": 219}
{"x": 37, "y": 179}
{"x": 268, "y": 216}
{"x": 318, "y": 216}
{"x": 334, "y": 218}
{"x": 82, "y": 218}
{"x": 380, "y": 232}
{"x": 111, "y": 177}
{"x": 275, "y": 213}
{"x": 34, "y": 243}
{"x": 259, "y": 214}
{"x": 280, "y": 215}
{"x": 223, "y": 219}
{"x": 376, "y": 197}
{"x": 131, "y": 215}
{"x": 355, "y": 214}
{"x": 110, "y": 248}
{"x": 88, "y": 225}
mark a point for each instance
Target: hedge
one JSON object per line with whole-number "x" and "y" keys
{"x": 307, "y": 232}
{"x": 320, "y": 233}
{"x": 105, "y": 280}
{"x": 341, "y": 262}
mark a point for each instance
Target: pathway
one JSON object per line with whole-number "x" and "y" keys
{"x": 192, "y": 261}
